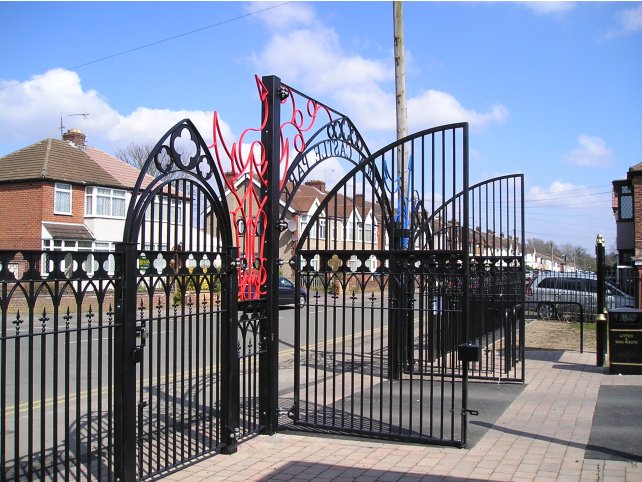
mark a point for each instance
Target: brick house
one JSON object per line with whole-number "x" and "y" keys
{"x": 64, "y": 195}
{"x": 627, "y": 209}
{"x": 347, "y": 223}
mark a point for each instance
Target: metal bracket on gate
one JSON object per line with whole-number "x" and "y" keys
{"x": 141, "y": 332}
{"x": 470, "y": 412}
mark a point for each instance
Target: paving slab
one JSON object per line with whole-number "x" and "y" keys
{"x": 545, "y": 432}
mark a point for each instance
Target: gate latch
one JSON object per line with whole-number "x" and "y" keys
{"x": 141, "y": 333}
{"x": 470, "y": 412}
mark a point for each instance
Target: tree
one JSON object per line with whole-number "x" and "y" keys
{"x": 136, "y": 154}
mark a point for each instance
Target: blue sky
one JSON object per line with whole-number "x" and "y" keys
{"x": 551, "y": 89}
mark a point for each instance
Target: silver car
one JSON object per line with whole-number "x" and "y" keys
{"x": 558, "y": 295}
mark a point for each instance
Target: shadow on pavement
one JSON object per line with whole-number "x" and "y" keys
{"x": 312, "y": 471}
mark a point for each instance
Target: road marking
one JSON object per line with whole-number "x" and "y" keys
{"x": 169, "y": 378}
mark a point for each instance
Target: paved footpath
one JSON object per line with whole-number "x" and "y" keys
{"x": 541, "y": 437}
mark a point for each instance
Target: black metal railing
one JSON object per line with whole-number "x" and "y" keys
{"x": 559, "y": 295}
{"x": 561, "y": 306}
{"x": 56, "y": 358}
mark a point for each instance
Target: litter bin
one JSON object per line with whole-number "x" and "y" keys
{"x": 625, "y": 341}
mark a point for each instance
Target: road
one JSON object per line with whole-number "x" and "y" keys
{"x": 58, "y": 387}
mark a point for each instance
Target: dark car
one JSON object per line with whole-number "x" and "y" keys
{"x": 288, "y": 293}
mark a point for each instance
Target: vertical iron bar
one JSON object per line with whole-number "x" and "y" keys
{"x": 43, "y": 394}
{"x": 90, "y": 332}
{"x": 30, "y": 388}
{"x": 190, "y": 379}
{"x": 101, "y": 313}
{"x": 124, "y": 368}
{"x": 78, "y": 375}
{"x": 157, "y": 383}
{"x": 3, "y": 378}
{"x": 297, "y": 342}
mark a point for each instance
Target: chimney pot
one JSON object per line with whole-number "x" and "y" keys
{"x": 75, "y": 136}
{"x": 317, "y": 184}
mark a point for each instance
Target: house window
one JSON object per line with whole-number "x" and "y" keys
{"x": 335, "y": 230}
{"x": 105, "y": 202}
{"x": 162, "y": 212}
{"x": 349, "y": 231}
{"x": 62, "y": 198}
{"x": 305, "y": 219}
{"x": 322, "y": 228}
{"x": 626, "y": 203}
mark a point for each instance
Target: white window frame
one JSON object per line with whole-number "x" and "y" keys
{"x": 335, "y": 230}
{"x": 368, "y": 232}
{"x": 322, "y": 228}
{"x": 63, "y": 188}
{"x": 167, "y": 206}
{"x": 91, "y": 201}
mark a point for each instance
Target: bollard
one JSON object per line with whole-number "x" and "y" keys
{"x": 601, "y": 325}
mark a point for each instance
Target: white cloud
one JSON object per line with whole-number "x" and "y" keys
{"x": 548, "y": 8}
{"x": 312, "y": 58}
{"x": 31, "y": 111}
{"x": 283, "y": 17}
{"x": 628, "y": 21}
{"x": 591, "y": 152}
{"x": 562, "y": 194}
{"x": 434, "y": 107}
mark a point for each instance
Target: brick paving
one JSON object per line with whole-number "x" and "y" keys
{"x": 542, "y": 436}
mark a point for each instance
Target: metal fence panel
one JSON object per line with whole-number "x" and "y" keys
{"x": 56, "y": 356}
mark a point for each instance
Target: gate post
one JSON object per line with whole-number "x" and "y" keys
{"x": 401, "y": 329}
{"x": 271, "y": 140}
{"x": 125, "y": 442}
{"x": 230, "y": 391}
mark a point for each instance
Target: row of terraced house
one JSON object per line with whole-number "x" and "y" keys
{"x": 64, "y": 195}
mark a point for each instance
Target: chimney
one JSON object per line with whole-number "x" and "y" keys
{"x": 75, "y": 136}
{"x": 320, "y": 185}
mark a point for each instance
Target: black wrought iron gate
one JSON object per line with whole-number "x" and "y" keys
{"x": 402, "y": 261}
{"x": 399, "y": 274}
{"x": 177, "y": 305}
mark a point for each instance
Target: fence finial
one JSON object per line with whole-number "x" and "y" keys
{"x": 599, "y": 240}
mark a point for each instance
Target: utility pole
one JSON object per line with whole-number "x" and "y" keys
{"x": 400, "y": 96}
{"x": 400, "y": 71}
{"x": 401, "y": 333}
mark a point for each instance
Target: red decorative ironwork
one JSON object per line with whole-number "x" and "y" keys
{"x": 249, "y": 217}
{"x": 301, "y": 121}
{"x": 249, "y": 163}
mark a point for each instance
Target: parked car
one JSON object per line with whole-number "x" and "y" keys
{"x": 288, "y": 293}
{"x": 555, "y": 294}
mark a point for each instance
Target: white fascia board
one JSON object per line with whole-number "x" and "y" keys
{"x": 242, "y": 179}
{"x": 313, "y": 208}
